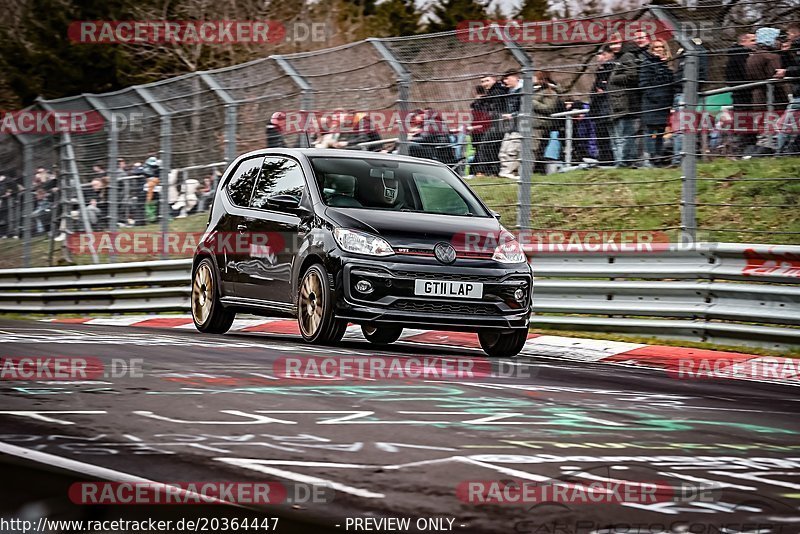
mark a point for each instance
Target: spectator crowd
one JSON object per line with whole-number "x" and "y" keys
{"x": 625, "y": 120}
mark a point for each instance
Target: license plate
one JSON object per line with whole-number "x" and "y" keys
{"x": 447, "y": 288}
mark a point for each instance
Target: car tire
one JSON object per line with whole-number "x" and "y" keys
{"x": 381, "y": 335}
{"x": 208, "y": 313}
{"x": 315, "y": 315}
{"x": 500, "y": 344}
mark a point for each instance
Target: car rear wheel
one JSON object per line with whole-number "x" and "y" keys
{"x": 381, "y": 335}
{"x": 207, "y": 311}
{"x": 500, "y": 344}
{"x": 318, "y": 323}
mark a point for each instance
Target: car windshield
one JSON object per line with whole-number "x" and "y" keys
{"x": 354, "y": 182}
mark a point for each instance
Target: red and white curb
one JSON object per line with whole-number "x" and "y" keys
{"x": 557, "y": 347}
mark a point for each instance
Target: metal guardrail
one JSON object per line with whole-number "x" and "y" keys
{"x": 724, "y": 293}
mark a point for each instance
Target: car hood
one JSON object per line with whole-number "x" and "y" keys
{"x": 418, "y": 230}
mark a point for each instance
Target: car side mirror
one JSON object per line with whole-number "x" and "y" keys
{"x": 284, "y": 202}
{"x": 496, "y": 215}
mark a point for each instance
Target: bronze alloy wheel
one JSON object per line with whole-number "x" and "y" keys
{"x": 311, "y": 303}
{"x": 208, "y": 313}
{"x": 202, "y": 293}
{"x": 315, "y": 308}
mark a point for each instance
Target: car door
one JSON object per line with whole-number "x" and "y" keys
{"x": 275, "y": 229}
{"x": 238, "y": 191}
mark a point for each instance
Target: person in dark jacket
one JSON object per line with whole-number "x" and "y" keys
{"x": 600, "y": 107}
{"x": 656, "y": 80}
{"x": 623, "y": 85}
{"x": 736, "y": 74}
{"x": 789, "y": 140}
{"x": 487, "y": 131}
{"x": 736, "y": 71}
{"x": 275, "y": 129}
{"x": 763, "y": 64}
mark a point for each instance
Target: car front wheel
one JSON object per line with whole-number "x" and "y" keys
{"x": 381, "y": 335}
{"x": 318, "y": 323}
{"x": 500, "y": 344}
{"x": 207, "y": 311}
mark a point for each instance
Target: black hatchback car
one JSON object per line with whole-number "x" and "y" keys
{"x": 336, "y": 237}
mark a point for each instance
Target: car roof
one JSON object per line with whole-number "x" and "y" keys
{"x": 338, "y": 153}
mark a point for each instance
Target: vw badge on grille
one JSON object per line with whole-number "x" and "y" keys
{"x": 445, "y": 253}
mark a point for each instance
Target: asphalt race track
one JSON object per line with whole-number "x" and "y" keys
{"x": 211, "y": 408}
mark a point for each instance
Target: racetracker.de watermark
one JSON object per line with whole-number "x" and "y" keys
{"x": 69, "y": 368}
{"x": 395, "y": 368}
{"x": 584, "y": 31}
{"x": 176, "y": 31}
{"x": 524, "y": 492}
{"x": 763, "y": 368}
{"x": 199, "y": 492}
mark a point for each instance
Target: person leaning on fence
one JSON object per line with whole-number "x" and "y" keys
{"x": 357, "y": 128}
{"x": 763, "y": 64}
{"x": 512, "y": 140}
{"x": 487, "y": 125}
{"x": 275, "y": 129}
{"x": 600, "y": 106}
{"x": 788, "y": 138}
{"x": 623, "y": 84}
{"x": 655, "y": 77}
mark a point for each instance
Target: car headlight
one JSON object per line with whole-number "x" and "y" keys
{"x": 509, "y": 251}
{"x": 362, "y": 243}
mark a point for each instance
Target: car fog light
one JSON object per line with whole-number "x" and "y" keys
{"x": 364, "y": 286}
{"x": 519, "y": 294}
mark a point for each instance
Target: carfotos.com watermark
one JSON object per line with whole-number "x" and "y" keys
{"x": 201, "y": 492}
{"x": 193, "y": 32}
{"x": 69, "y": 368}
{"x": 522, "y": 492}
{"x": 533, "y": 526}
{"x": 395, "y": 368}
{"x": 33, "y": 122}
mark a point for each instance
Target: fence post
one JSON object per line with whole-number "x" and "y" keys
{"x": 27, "y": 203}
{"x": 306, "y": 95}
{"x": 525, "y": 119}
{"x": 112, "y": 165}
{"x": 403, "y": 90}
{"x": 165, "y": 153}
{"x": 689, "y": 163}
{"x": 691, "y": 76}
{"x": 568, "y": 141}
{"x": 231, "y": 110}
{"x": 68, "y": 161}
{"x": 164, "y": 174}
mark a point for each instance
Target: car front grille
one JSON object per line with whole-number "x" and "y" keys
{"x": 446, "y": 307}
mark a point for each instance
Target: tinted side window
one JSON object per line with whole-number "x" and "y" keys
{"x": 279, "y": 176}
{"x": 241, "y": 183}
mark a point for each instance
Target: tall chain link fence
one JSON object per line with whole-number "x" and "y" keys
{"x": 557, "y": 132}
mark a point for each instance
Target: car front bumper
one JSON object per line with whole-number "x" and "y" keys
{"x": 393, "y": 302}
